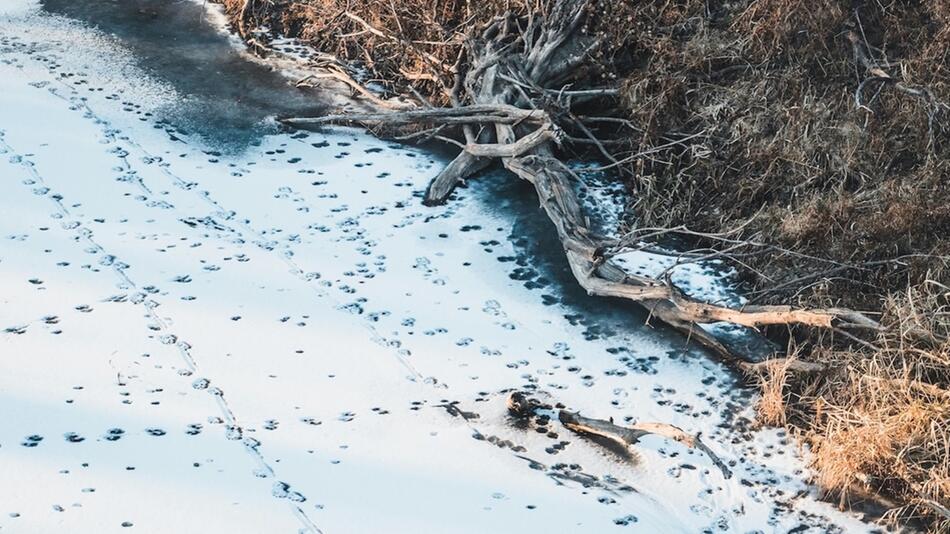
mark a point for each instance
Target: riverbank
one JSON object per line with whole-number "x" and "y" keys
{"x": 252, "y": 329}
{"x": 804, "y": 144}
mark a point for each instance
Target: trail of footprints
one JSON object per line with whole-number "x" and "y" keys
{"x": 128, "y": 175}
{"x": 234, "y": 430}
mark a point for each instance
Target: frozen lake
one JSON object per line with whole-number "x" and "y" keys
{"x": 209, "y": 325}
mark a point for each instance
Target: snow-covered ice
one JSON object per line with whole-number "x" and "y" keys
{"x": 279, "y": 337}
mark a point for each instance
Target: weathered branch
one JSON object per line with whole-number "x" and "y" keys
{"x": 335, "y": 73}
{"x": 630, "y": 436}
{"x": 600, "y": 277}
{"x": 509, "y": 150}
{"x": 521, "y": 405}
{"x": 474, "y": 114}
{"x": 463, "y": 166}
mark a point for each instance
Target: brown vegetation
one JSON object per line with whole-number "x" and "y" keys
{"x": 809, "y": 142}
{"x": 823, "y": 137}
{"x": 878, "y": 418}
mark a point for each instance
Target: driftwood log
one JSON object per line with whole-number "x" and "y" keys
{"x": 520, "y": 405}
{"x": 519, "y": 82}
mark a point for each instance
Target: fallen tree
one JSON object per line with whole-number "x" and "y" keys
{"x": 502, "y": 99}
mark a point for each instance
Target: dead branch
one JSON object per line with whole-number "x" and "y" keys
{"x": 521, "y": 405}
{"x": 509, "y": 150}
{"x": 877, "y": 74}
{"x": 335, "y": 73}
{"x": 473, "y": 114}
{"x": 630, "y": 436}
{"x": 463, "y": 166}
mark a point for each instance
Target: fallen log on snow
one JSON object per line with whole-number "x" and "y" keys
{"x": 520, "y": 405}
{"x": 511, "y": 98}
{"x": 629, "y": 436}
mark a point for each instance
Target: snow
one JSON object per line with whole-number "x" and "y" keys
{"x": 265, "y": 340}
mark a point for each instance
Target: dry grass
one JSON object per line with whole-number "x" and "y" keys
{"x": 773, "y": 382}
{"x": 879, "y": 420}
{"x": 418, "y": 47}
{"x": 765, "y": 91}
{"x": 405, "y": 46}
{"x": 398, "y": 43}
{"x": 852, "y": 203}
